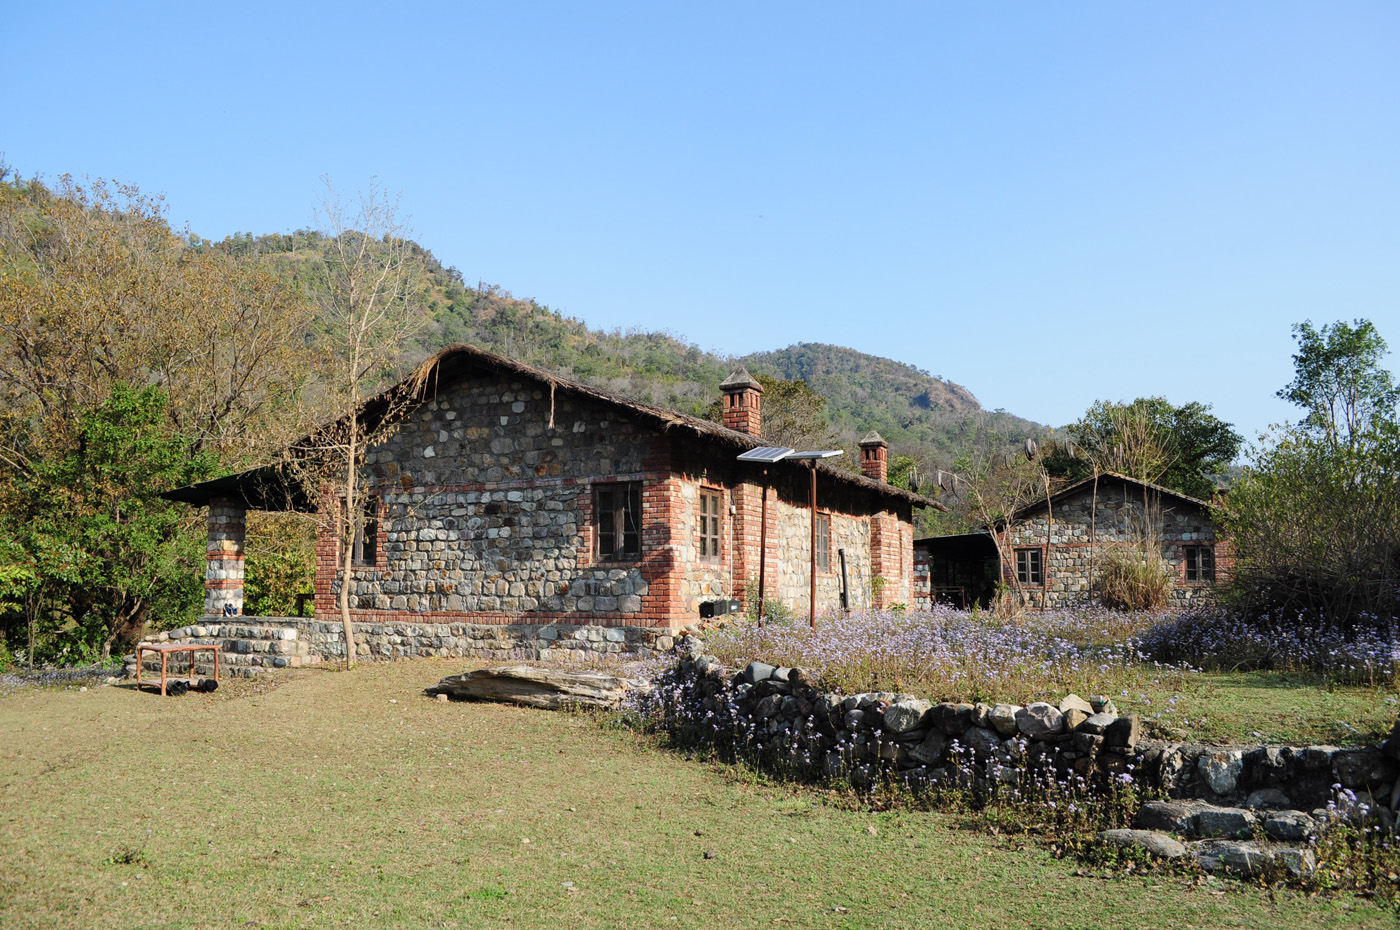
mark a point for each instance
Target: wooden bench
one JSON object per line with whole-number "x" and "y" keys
{"x": 166, "y": 650}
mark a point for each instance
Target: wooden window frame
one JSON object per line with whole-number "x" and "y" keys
{"x": 617, "y": 503}
{"x": 823, "y": 551}
{"x": 1199, "y": 564}
{"x": 710, "y": 525}
{"x": 1030, "y": 566}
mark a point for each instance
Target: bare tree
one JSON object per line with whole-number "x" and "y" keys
{"x": 993, "y": 489}
{"x": 366, "y": 280}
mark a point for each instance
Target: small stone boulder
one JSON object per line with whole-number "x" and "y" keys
{"x": 905, "y": 716}
{"x": 768, "y": 707}
{"x": 1086, "y": 742}
{"x": 1096, "y": 723}
{"x": 758, "y": 671}
{"x": 983, "y": 743}
{"x": 1289, "y": 826}
{"x": 1228, "y": 822}
{"x": 1002, "y": 717}
{"x": 1158, "y": 844}
{"x": 1123, "y": 733}
{"x": 1233, "y": 856}
{"x": 1172, "y": 816}
{"x": 932, "y": 750}
{"x": 1366, "y": 768}
{"x": 1316, "y": 757}
{"x": 952, "y": 719}
{"x": 1075, "y": 702}
{"x": 1040, "y": 720}
{"x": 1268, "y": 799}
{"x": 1221, "y": 770}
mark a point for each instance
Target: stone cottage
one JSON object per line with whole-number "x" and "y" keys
{"x": 1054, "y": 549}
{"x": 514, "y": 510}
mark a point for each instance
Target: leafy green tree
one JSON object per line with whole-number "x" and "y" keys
{"x": 38, "y": 568}
{"x": 95, "y": 289}
{"x": 1339, "y": 381}
{"x": 130, "y": 556}
{"x": 1314, "y": 522}
{"x": 281, "y": 563}
{"x": 1149, "y": 439}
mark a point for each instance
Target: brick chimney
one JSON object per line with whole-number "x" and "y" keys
{"x": 874, "y": 456}
{"x": 743, "y": 402}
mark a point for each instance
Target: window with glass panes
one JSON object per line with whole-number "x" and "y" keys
{"x": 710, "y": 522}
{"x": 1200, "y": 563}
{"x": 617, "y": 520}
{"x": 823, "y": 542}
{"x": 1028, "y": 567}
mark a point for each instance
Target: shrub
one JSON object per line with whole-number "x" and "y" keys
{"x": 1315, "y": 526}
{"x": 1365, "y": 651}
{"x": 1136, "y": 578}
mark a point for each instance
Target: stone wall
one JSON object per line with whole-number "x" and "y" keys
{"x": 1082, "y": 531}
{"x": 1223, "y": 798}
{"x": 250, "y": 645}
{"x": 789, "y": 559}
{"x": 487, "y": 513}
{"x": 487, "y": 517}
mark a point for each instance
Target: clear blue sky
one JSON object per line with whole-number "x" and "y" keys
{"x": 1048, "y": 203}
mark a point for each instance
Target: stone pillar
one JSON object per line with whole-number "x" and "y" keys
{"x": 891, "y": 557}
{"x": 223, "y": 571}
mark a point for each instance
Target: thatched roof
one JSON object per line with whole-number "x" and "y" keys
{"x": 459, "y": 362}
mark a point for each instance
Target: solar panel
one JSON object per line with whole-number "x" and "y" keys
{"x": 803, "y": 456}
{"x": 766, "y": 454}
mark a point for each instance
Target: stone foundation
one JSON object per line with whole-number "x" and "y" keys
{"x": 251, "y": 644}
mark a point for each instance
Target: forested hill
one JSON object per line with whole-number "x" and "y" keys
{"x": 905, "y": 404}
{"x": 921, "y": 415}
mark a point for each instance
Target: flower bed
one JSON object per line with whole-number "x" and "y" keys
{"x": 958, "y": 655}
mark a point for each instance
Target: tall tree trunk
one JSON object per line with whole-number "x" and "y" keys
{"x": 349, "y": 528}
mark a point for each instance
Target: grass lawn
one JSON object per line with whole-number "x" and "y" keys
{"x": 1296, "y": 708}
{"x": 349, "y": 799}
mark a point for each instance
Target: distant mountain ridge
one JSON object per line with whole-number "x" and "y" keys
{"x": 907, "y": 405}
{"x": 929, "y": 418}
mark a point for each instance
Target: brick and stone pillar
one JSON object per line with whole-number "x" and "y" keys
{"x": 743, "y": 402}
{"x": 891, "y": 558}
{"x": 223, "y": 570}
{"x": 874, "y": 457}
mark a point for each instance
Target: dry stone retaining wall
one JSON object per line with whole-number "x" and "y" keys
{"x": 1238, "y": 807}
